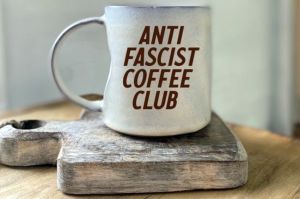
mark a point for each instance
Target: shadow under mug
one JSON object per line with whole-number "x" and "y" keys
{"x": 160, "y": 71}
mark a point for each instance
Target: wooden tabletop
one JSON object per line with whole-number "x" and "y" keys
{"x": 274, "y": 165}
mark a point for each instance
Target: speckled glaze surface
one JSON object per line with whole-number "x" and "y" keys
{"x": 139, "y": 98}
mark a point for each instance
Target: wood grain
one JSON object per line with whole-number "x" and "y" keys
{"x": 94, "y": 159}
{"x": 274, "y": 166}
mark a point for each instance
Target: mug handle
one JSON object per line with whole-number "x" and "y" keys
{"x": 91, "y": 105}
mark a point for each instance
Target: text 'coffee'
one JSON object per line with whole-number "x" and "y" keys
{"x": 165, "y": 68}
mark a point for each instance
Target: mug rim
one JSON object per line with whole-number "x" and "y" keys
{"x": 156, "y": 6}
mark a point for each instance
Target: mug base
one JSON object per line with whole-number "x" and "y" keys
{"x": 156, "y": 132}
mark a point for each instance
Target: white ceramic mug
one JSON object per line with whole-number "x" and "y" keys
{"x": 160, "y": 71}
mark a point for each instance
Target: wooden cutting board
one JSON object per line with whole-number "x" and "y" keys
{"x": 93, "y": 159}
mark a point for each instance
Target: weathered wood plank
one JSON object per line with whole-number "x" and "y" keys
{"x": 94, "y": 159}
{"x": 274, "y": 164}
